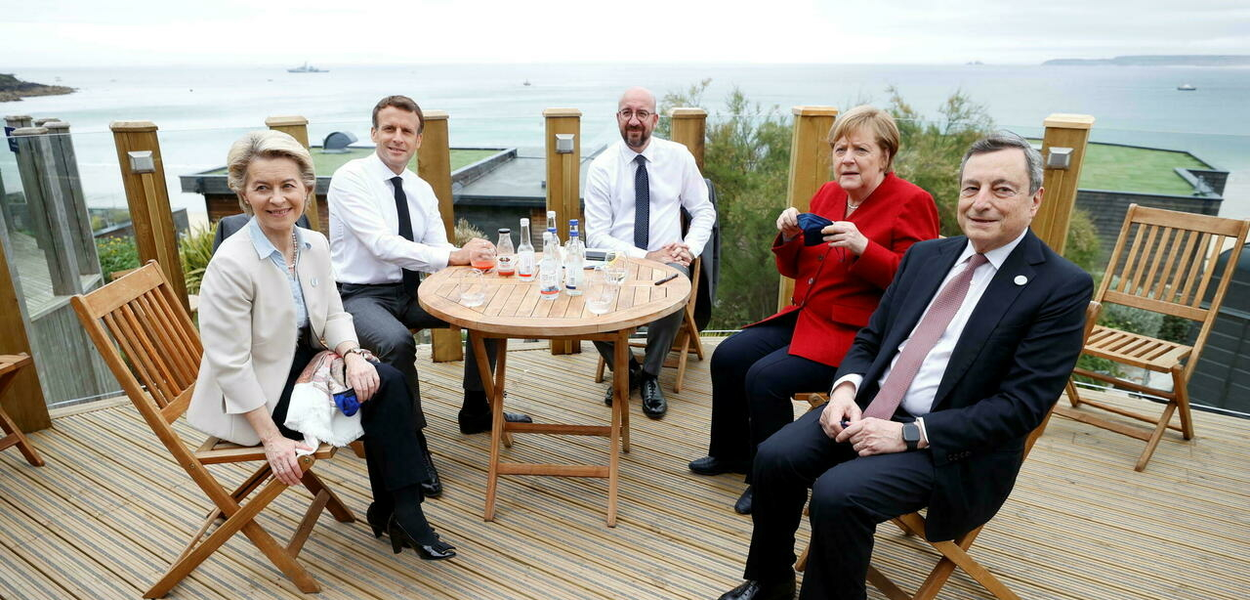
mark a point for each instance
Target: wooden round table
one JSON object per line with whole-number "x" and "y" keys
{"x": 514, "y": 309}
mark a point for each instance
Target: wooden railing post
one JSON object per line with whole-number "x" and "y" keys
{"x": 32, "y": 189}
{"x": 297, "y": 127}
{"x": 78, "y": 218}
{"x": 49, "y": 216}
{"x": 26, "y": 403}
{"x": 1063, "y": 152}
{"x": 689, "y": 128}
{"x": 434, "y": 166}
{"x": 148, "y": 197}
{"x": 564, "y": 184}
{"x": 809, "y": 168}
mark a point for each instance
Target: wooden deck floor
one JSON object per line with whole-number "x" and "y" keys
{"x": 110, "y": 510}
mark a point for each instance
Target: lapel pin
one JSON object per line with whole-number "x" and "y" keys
{"x": 1020, "y": 280}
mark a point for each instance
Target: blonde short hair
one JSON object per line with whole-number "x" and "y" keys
{"x": 266, "y": 144}
{"x": 872, "y": 120}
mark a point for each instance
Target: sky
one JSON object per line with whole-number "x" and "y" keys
{"x": 90, "y": 33}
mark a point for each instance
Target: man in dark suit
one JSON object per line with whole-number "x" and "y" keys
{"x": 971, "y": 344}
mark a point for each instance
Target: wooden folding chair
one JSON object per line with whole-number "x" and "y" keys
{"x": 687, "y": 340}
{"x": 954, "y": 553}
{"x": 1167, "y": 268}
{"x": 10, "y": 366}
{"x": 157, "y": 364}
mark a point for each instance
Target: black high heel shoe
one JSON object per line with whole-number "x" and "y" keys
{"x": 400, "y": 539}
{"x": 377, "y": 521}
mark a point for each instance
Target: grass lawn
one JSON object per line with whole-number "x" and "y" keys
{"x": 1136, "y": 170}
{"x": 325, "y": 164}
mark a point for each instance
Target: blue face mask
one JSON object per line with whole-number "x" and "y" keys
{"x": 347, "y": 402}
{"x": 811, "y": 224}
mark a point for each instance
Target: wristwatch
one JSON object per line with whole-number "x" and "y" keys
{"x": 365, "y": 354}
{"x": 911, "y": 435}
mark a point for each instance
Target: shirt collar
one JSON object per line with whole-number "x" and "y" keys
{"x": 264, "y": 247}
{"x": 379, "y": 170}
{"x": 996, "y": 256}
{"x": 629, "y": 155}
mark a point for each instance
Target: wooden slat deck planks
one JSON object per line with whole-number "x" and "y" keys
{"x": 1080, "y": 525}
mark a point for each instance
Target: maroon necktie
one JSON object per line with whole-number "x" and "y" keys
{"x": 922, "y": 341}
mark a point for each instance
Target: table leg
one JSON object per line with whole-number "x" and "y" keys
{"x": 494, "y": 391}
{"x": 620, "y": 412}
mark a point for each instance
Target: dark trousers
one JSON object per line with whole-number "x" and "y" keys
{"x": 753, "y": 378}
{"x": 393, "y": 455}
{"x": 660, "y": 335}
{"x": 850, "y": 496}
{"x": 383, "y": 315}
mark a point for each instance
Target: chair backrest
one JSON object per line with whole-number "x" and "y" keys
{"x": 148, "y": 341}
{"x": 1164, "y": 261}
{"x": 1091, "y": 317}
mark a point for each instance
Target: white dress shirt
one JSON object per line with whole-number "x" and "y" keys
{"x": 675, "y": 182}
{"x": 918, "y": 400}
{"x": 365, "y": 245}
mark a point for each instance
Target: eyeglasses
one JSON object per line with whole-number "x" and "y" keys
{"x": 625, "y": 114}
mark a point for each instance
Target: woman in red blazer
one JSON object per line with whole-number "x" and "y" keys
{"x": 876, "y": 217}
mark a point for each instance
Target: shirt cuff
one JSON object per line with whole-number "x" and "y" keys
{"x": 924, "y": 434}
{"x": 440, "y": 258}
{"x": 855, "y": 378}
{"x": 636, "y": 252}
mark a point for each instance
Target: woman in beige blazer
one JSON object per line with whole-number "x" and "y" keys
{"x": 268, "y": 305}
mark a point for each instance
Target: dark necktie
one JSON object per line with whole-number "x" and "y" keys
{"x": 927, "y": 333}
{"x": 411, "y": 278}
{"x": 642, "y": 204}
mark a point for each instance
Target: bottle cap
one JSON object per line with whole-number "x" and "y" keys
{"x": 573, "y": 222}
{"x": 525, "y": 222}
{"x": 504, "y": 230}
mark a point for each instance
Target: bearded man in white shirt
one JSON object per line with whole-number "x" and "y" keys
{"x": 635, "y": 192}
{"x": 385, "y": 227}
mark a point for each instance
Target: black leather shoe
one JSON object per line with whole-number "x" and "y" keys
{"x": 653, "y": 403}
{"x": 377, "y": 518}
{"x": 743, "y": 505}
{"x": 710, "y": 465}
{"x": 434, "y": 487}
{"x": 754, "y": 590}
{"x": 634, "y": 373}
{"x": 436, "y": 550}
{"x": 479, "y": 423}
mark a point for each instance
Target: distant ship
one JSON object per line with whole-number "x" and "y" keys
{"x": 1185, "y": 87}
{"x": 527, "y": 82}
{"x": 307, "y": 68}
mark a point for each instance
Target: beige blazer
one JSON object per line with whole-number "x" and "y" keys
{"x": 247, "y": 324}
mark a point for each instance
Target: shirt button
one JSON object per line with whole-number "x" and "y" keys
{"x": 811, "y": 280}
{"x": 820, "y": 257}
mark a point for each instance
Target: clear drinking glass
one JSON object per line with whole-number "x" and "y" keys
{"x": 601, "y": 291}
{"x": 472, "y": 288}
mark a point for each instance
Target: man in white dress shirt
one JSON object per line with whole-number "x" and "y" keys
{"x": 635, "y": 192}
{"x": 971, "y": 345}
{"x": 385, "y": 227}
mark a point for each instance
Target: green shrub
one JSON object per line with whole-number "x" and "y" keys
{"x": 116, "y": 254}
{"x": 195, "y": 248}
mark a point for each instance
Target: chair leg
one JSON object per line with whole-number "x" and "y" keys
{"x": 308, "y": 522}
{"x": 358, "y": 447}
{"x": 341, "y": 513}
{"x": 887, "y": 587}
{"x": 243, "y": 519}
{"x": 1153, "y": 442}
{"x": 14, "y": 436}
{"x": 599, "y": 370}
{"x": 682, "y": 354}
{"x": 1073, "y": 397}
{"x": 1180, "y": 387}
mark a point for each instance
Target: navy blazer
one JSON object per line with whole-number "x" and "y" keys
{"x": 1009, "y": 366}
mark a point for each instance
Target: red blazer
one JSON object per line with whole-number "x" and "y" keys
{"x": 835, "y": 291}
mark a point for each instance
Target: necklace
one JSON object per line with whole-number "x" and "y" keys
{"x": 294, "y": 252}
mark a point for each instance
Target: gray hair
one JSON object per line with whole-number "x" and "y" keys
{"x": 266, "y": 144}
{"x": 1006, "y": 140}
